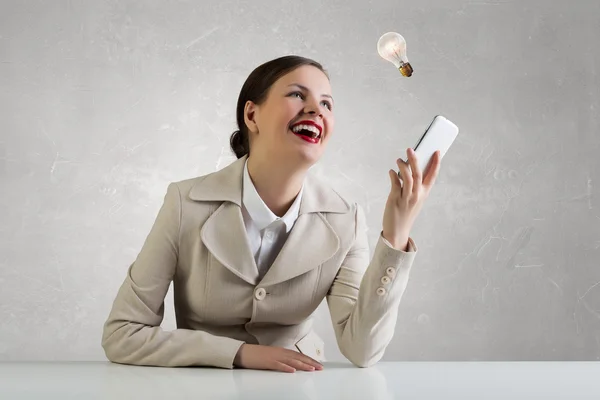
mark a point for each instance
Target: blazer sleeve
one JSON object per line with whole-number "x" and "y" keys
{"x": 132, "y": 332}
{"x": 365, "y": 296}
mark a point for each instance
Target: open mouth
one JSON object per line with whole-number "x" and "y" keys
{"x": 307, "y": 130}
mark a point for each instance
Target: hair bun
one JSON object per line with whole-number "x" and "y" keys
{"x": 238, "y": 145}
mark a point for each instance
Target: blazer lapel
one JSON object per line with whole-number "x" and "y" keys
{"x": 224, "y": 235}
{"x": 312, "y": 240}
{"x": 224, "y": 232}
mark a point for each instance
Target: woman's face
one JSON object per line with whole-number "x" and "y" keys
{"x": 295, "y": 121}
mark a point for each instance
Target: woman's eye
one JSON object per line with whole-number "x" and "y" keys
{"x": 325, "y": 103}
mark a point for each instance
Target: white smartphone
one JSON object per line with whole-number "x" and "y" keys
{"x": 438, "y": 136}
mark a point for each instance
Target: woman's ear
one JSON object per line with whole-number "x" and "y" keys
{"x": 249, "y": 116}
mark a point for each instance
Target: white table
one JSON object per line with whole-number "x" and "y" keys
{"x": 386, "y": 380}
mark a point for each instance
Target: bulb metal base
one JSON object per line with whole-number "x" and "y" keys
{"x": 406, "y": 69}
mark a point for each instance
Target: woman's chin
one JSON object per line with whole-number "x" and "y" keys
{"x": 306, "y": 152}
{"x": 309, "y": 156}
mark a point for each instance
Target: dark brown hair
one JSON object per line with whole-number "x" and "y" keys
{"x": 256, "y": 88}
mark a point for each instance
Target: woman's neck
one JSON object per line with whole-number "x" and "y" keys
{"x": 276, "y": 183}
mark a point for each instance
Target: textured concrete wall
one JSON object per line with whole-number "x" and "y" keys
{"x": 102, "y": 103}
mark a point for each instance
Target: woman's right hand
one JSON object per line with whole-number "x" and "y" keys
{"x": 254, "y": 356}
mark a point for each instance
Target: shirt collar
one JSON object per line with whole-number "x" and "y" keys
{"x": 261, "y": 215}
{"x": 226, "y": 185}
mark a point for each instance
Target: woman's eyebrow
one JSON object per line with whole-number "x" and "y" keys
{"x": 306, "y": 89}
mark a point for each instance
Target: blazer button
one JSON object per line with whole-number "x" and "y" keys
{"x": 260, "y": 293}
{"x": 391, "y": 272}
{"x": 380, "y": 291}
{"x": 385, "y": 280}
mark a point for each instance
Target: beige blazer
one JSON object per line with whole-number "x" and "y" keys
{"x": 199, "y": 243}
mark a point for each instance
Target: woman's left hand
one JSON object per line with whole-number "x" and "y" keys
{"x": 406, "y": 197}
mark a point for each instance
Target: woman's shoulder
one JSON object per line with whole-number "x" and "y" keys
{"x": 326, "y": 197}
{"x": 191, "y": 188}
{"x": 184, "y": 185}
{"x": 224, "y": 184}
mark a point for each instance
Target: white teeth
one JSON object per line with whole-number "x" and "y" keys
{"x": 311, "y": 128}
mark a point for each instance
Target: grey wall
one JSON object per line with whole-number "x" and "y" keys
{"x": 103, "y": 103}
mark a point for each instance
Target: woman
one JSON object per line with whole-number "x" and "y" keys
{"x": 254, "y": 248}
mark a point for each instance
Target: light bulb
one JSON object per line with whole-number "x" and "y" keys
{"x": 392, "y": 47}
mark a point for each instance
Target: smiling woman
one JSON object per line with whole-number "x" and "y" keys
{"x": 272, "y": 99}
{"x": 255, "y": 90}
{"x": 253, "y": 249}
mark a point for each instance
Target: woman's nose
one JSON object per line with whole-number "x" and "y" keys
{"x": 312, "y": 109}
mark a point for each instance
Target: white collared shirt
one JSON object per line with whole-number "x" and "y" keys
{"x": 266, "y": 232}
